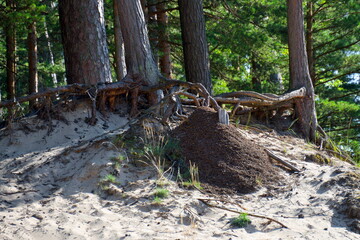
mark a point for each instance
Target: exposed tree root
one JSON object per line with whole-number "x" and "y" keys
{"x": 196, "y": 94}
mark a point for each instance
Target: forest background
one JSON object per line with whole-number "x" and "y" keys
{"x": 247, "y": 43}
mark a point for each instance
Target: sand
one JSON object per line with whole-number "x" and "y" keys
{"x": 50, "y": 190}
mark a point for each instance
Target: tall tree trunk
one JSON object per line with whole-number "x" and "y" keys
{"x": 310, "y": 40}
{"x": 32, "y": 59}
{"x": 84, "y": 39}
{"x": 164, "y": 46}
{"x": 139, "y": 58}
{"x": 120, "y": 67}
{"x": 153, "y": 28}
{"x": 196, "y": 56}
{"x": 299, "y": 70}
{"x": 10, "y": 53}
{"x": 52, "y": 61}
{"x": 144, "y": 8}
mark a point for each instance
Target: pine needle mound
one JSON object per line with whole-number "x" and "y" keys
{"x": 227, "y": 161}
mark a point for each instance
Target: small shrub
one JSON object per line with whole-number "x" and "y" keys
{"x": 241, "y": 221}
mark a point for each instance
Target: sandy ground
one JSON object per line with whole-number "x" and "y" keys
{"x": 50, "y": 190}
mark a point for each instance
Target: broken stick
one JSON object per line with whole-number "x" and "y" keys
{"x": 272, "y": 155}
{"x": 206, "y": 202}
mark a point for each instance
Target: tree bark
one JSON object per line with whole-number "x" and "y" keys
{"x": 32, "y": 59}
{"x": 310, "y": 41}
{"x": 164, "y": 46}
{"x": 120, "y": 67}
{"x": 84, "y": 39}
{"x": 299, "y": 70}
{"x": 153, "y": 28}
{"x": 196, "y": 56}
{"x": 10, "y": 53}
{"x": 139, "y": 58}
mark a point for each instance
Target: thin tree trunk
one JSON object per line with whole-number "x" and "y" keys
{"x": 32, "y": 59}
{"x": 120, "y": 67}
{"x": 84, "y": 39}
{"x": 255, "y": 81}
{"x": 310, "y": 40}
{"x": 164, "y": 46}
{"x": 139, "y": 58}
{"x": 196, "y": 56}
{"x": 10, "y": 53}
{"x": 52, "y": 61}
{"x": 299, "y": 70}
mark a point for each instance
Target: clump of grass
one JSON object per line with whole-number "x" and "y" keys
{"x": 105, "y": 183}
{"x": 157, "y": 151}
{"x": 193, "y": 181}
{"x": 241, "y": 221}
{"x": 109, "y": 178}
{"x": 118, "y": 160}
{"x": 161, "y": 193}
{"x": 157, "y": 200}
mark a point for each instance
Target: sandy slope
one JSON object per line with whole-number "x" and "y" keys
{"x": 49, "y": 190}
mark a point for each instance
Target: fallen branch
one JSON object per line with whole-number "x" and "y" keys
{"x": 253, "y": 99}
{"x": 222, "y": 200}
{"x": 266, "y": 96}
{"x": 272, "y": 155}
{"x": 18, "y": 192}
{"x": 205, "y": 201}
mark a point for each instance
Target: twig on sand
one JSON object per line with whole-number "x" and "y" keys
{"x": 18, "y": 192}
{"x": 272, "y": 155}
{"x": 206, "y": 202}
{"x": 221, "y": 200}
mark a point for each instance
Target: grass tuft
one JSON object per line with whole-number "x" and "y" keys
{"x": 241, "y": 221}
{"x": 161, "y": 193}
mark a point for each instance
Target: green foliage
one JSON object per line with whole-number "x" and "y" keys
{"x": 241, "y": 221}
{"x": 25, "y": 13}
{"x": 337, "y": 119}
{"x": 109, "y": 178}
{"x": 157, "y": 200}
{"x": 161, "y": 193}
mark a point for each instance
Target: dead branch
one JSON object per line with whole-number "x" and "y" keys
{"x": 272, "y": 155}
{"x": 253, "y": 99}
{"x": 206, "y": 202}
{"x": 248, "y": 94}
{"x": 18, "y": 192}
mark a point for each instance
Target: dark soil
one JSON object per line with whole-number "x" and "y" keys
{"x": 227, "y": 162}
